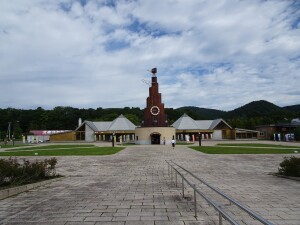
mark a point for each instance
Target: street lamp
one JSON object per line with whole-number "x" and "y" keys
{"x": 8, "y": 131}
{"x": 13, "y": 139}
{"x": 113, "y": 140}
{"x": 200, "y": 139}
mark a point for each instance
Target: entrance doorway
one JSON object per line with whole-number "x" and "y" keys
{"x": 155, "y": 138}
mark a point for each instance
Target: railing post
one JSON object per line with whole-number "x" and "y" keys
{"x": 195, "y": 200}
{"x": 220, "y": 219}
{"x": 168, "y": 169}
{"x": 176, "y": 178}
{"x": 182, "y": 187}
{"x": 171, "y": 173}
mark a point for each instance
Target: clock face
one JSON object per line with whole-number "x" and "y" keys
{"x": 154, "y": 110}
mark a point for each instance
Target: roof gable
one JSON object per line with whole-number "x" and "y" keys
{"x": 90, "y": 124}
{"x": 217, "y": 122}
{"x": 121, "y": 123}
{"x": 102, "y": 126}
{"x": 185, "y": 123}
{"x": 204, "y": 124}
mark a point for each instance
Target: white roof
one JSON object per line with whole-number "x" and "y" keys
{"x": 102, "y": 126}
{"x": 204, "y": 124}
{"x": 120, "y": 123}
{"x": 187, "y": 123}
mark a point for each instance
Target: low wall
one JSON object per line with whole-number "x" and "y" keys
{"x": 19, "y": 189}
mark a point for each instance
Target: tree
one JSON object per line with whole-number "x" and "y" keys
{"x": 133, "y": 118}
{"x": 297, "y": 134}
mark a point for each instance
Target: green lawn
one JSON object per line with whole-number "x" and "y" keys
{"x": 12, "y": 146}
{"x": 257, "y": 145}
{"x": 126, "y": 144}
{"x": 52, "y": 147}
{"x": 64, "y": 150}
{"x": 184, "y": 143}
{"x": 243, "y": 150}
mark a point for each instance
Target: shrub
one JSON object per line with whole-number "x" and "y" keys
{"x": 14, "y": 173}
{"x": 290, "y": 167}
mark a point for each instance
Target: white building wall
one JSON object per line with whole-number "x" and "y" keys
{"x": 37, "y": 138}
{"x": 89, "y": 134}
{"x": 144, "y": 138}
{"x": 217, "y": 135}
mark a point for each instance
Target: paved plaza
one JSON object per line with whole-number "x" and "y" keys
{"x": 133, "y": 188}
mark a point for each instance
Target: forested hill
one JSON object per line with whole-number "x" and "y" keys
{"x": 258, "y": 109}
{"x": 201, "y": 113}
{"x": 260, "y": 113}
{"x": 66, "y": 118}
{"x": 293, "y": 108}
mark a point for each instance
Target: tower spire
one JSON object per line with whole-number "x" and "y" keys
{"x": 154, "y": 113}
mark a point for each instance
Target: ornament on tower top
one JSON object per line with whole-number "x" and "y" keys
{"x": 154, "y": 71}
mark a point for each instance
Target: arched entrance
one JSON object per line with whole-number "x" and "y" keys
{"x": 155, "y": 138}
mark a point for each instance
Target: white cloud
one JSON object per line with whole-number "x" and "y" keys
{"x": 215, "y": 54}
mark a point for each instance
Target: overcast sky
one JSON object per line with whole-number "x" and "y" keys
{"x": 217, "y": 54}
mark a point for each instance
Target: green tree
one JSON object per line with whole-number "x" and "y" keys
{"x": 133, "y": 118}
{"x": 297, "y": 134}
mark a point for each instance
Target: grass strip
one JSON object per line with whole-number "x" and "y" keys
{"x": 184, "y": 143}
{"x": 50, "y": 147}
{"x": 12, "y": 146}
{"x": 257, "y": 145}
{"x": 66, "y": 152}
{"x": 242, "y": 150}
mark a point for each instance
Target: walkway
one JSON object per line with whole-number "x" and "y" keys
{"x": 133, "y": 188}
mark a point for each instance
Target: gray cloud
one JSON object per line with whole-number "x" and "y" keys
{"x": 209, "y": 54}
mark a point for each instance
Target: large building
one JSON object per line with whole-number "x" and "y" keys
{"x": 280, "y": 131}
{"x": 188, "y": 129}
{"x": 120, "y": 128}
{"x": 155, "y": 128}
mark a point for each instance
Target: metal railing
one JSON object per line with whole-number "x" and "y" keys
{"x": 217, "y": 206}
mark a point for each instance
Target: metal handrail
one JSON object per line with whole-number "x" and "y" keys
{"x": 244, "y": 208}
{"x": 231, "y": 200}
{"x": 215, "y": 205}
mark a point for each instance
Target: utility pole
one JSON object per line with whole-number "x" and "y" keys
{"x": 200, "y": 139}
{"x": 8, "y": 130}
{"x": 13, "y": 138}
{"x": 113, "y": 140}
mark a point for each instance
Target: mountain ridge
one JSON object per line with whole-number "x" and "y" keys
{"x": 260, "y": 108}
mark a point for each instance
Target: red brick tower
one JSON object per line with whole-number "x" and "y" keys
{"x": 154, "y": 113}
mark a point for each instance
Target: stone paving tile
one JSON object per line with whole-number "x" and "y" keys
{"x": 139, "y": 223}
{"x": 98, "y": 218}
{"x": 79, "y": 223}
{"x": 110, "y": 223}
{"x": 169, "y": 223}
{"x": 35, "y": 223}
{"x": 133, "y": 187}
{"x": 127, "y": 218}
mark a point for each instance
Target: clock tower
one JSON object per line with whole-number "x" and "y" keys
{"x": 154, "y": 113}
{"x": 154, "y": 129}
